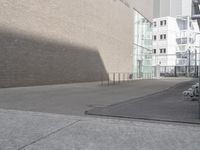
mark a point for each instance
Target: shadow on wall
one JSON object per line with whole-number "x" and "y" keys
{"x": 27, "y": 61}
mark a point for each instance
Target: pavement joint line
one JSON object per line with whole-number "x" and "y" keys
{"x": 48, "y": 135}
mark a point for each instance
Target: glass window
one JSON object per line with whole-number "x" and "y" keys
{"x": 154, "y": 51}
{"x": 164, "y": 36}
{"x": 161, "y": 23}
{"x": 182, "y": 23}
{"x": 163, "y": 50}
{"x": 142, "y": 47}
{"x": 165, "y": 22}
{"x": 154, "y": 37}
{"x": 154, "y": 24}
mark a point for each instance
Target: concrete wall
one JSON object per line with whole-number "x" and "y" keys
{"x": 26, "y": 60}
{"x": 176, "y": 7}
{"x": 53, "y": 42}
{"x": 144, "y": 7}
{"x": 156, "y": 10}
{"x": 186, "y": 7}
{"x": 165, "y": 8}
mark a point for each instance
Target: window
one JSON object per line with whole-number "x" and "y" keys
{"x": 154, "y": 37}
{"x": 161, "y": 37}
{"x": 154, "y": 51}
{"x": 161, "y": 23}
{"x": 163, "y": 50}
{"x": 164, "y": 35}
{"x": 154, "y": 24}
{"x": 165, "y": 22}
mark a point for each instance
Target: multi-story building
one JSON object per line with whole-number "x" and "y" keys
{"x": 175, "y": 41}
{"x": 62, "y": 41}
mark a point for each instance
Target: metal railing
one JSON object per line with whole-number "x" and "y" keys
{"x": 115, "y": 78}
{"x": 178, "y": 71}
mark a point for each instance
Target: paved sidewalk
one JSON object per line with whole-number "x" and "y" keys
{"x": 75, "y": 99}
{"x": 21, "y": 130}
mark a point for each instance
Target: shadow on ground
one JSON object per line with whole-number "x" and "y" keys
{"x": 168, "y": 105}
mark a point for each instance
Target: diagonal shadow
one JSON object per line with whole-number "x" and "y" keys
{"x": 29, "y": 60}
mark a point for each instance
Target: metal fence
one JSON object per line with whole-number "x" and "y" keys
{"x": 178, "y": 71}
{"x": 114, "y": 78}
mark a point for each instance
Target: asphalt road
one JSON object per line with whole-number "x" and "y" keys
{"x": 168, "y": 105}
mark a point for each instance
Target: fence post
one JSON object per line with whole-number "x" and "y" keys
{"x": 175, "y": 71}
{"x": 108, "y": 79}
{"x": 101, "y": 80}
{"x": 119, "y": 77}
{"x": 114, "y": 78}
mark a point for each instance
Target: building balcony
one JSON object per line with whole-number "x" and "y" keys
{"x": 185, "y": 40}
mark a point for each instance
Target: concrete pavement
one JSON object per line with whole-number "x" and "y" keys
{"x": 75, "y": 99}
{"x": 33, "y": 130}
{"x": 21, "y": 130}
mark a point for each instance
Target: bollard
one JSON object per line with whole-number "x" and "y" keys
{"x": 108, "y": 79}
{"x": 102, "y": 79}
{"x": 175, "y": 71}
{"x": 119, "y": 78}
{"x": 113, "y": 78}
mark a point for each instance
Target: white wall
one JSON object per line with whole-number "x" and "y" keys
{"x": 156, "y": 11}
{"x": 186, "y": 7}
{"x": 176, "y": 7}
{"x": 145, "y": 7}
{"x": 171, "y": 29}
{"x": 164, "y": 8}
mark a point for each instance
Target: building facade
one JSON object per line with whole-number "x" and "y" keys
{"x": 175, "y": 41}
{"x": 55, "y": 42}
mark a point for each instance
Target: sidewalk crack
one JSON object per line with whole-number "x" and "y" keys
{"x": 48, "y": 135}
